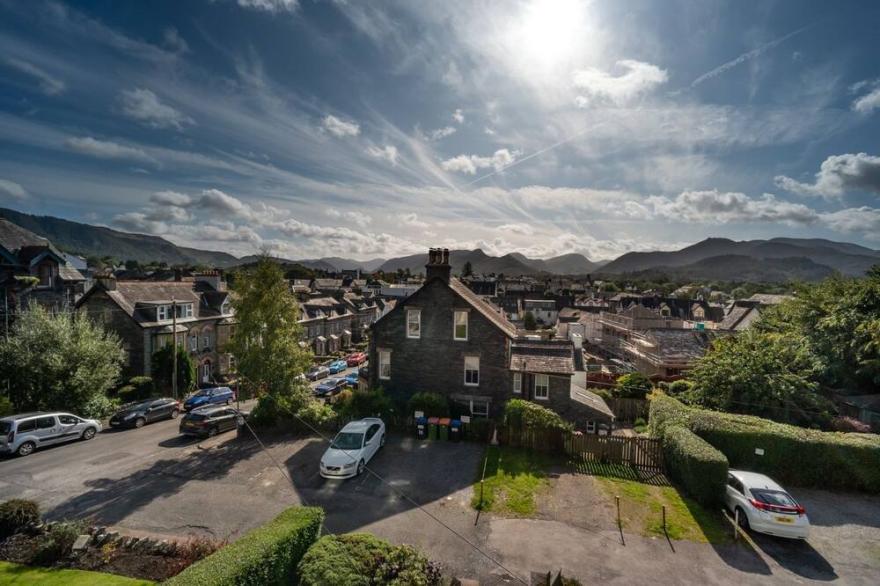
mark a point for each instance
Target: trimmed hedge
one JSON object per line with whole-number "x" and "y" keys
{"x": 522, "y": 413}
{"x": 268, "y": 555}
{"x": 693, "y": 463}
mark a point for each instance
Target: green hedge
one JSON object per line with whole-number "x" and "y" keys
{"x": 268, "y": 555}
{"x": 694, "y": 464}
{"x": 793, "y": 455}
{"x": 522, "y": 413}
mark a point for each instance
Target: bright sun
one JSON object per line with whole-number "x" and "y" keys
{"x": 550, "y": 33}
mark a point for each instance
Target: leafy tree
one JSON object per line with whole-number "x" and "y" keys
{"x": 162, "y": 363}
{"x": 529, "y": 322}
{"x": 60, "y": 361}
{"x": 767, "y": 374}
{"x": 633, "y": 385}
{"x": 266, "y": 339}
{"x": 467, "y": 270}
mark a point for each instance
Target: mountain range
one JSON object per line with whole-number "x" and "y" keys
{"x": 773, "y": 260}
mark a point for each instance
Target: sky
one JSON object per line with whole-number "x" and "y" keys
{"x": 370, "y": 129}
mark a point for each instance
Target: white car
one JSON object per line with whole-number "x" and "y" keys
{"x": 764, "y": 506}
{"x": 352, "y": 448}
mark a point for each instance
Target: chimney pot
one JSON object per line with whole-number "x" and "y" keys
{"x": 438, "y": 264}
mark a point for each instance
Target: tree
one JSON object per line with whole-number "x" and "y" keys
{"x": 761, "y": 373}
{"x": 60, "y": 361}
{"x": 266, "y": 339}
{"x": 529, "y": 322}
{"x": 467, "y": 270}
{"x": 163, "y": 367}
{"x": 633, "y": 385}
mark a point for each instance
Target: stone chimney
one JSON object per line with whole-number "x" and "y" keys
{"x": 438, "y": 265}
{"x": 106, "y": 280}
{"x": 213, "y": 278}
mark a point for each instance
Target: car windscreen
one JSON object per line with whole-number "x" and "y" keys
{"x": 348, "y": 441}
{"x": 136, "y": 406}
{"x": 196, "y": 417}
{"x": 777, "y": 498}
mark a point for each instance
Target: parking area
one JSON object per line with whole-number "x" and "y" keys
{"x": 150, "y": 480}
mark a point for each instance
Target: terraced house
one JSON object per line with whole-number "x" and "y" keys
{"x": 446, "y": 339}
{"x": 142, "y": 315}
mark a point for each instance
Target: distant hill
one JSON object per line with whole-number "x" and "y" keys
{"x": 734, "y": 267}
{"x": 849, "y": 259}
{"x": 88, "y": 240}
{"x": 508, "y": 264}
{"x": 337, "y": 264}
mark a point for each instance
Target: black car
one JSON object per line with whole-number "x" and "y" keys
{"x": 143, "y": 412}
{"x": 209, "y": 421}
{"x": 330, "y": 387}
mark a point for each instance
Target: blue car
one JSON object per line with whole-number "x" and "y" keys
{"x": 337, "y": 366}
{"x": 330, "y": 387}
{"x": 205, "y": 397}
{"x": 352, "y": 379}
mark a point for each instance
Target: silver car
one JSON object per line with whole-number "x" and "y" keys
{"x": 22, "y": 434}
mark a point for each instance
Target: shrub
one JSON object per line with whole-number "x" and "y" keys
{"x": 679, "y": 387}
{"x": 16, "y": 514}
{"x": 143, "y": 386}
{"x": 692, "y": 462}
{"x": 98, "y": 406}
{"x": 6, "y": 407}
{"x": 316, "y": 413}
{"x": 58, "y": 541}
{"x": 127, "y": 393}
{"x": 361, "y": 559}
{"x": 849, "y": 424}
{"x": 367, "y": 404}
{"x": 432, "y": 404}
{"x": 266, "y": 555}
{"x": 634, "y": 385}
{"x": 524, "y": 413}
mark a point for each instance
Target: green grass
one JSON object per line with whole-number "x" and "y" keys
{"x": 514, "y": 478}
{"x": 16, "y": 574}
{"x": 641, "y": 510}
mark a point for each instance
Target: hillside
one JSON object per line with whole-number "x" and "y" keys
{"x": 742, "y": 268}
{"x": 849, "y": 259}
{"x": 88, "y": 240}
{"x": 508, "y": 264}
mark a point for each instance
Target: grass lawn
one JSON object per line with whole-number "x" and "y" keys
{"x": 17, "y": 574}
{"x": 641, "y": 509}
{"x": 513, "y": 479}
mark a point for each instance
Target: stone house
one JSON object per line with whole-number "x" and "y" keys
{"x": 446, "y": 339}
{"x": 140, "y": 313}
{"x": 327, "y": 324}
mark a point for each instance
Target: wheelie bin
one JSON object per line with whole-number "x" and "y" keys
{"x": 455, "y": 430}
{"x": 422, "y": 427}
{"x": 443, "y": 425}
{"x": 432, "y": 427}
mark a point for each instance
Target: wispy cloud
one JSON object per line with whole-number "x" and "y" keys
{"x": 105, "y": 149}
{"x": 12, "y": 190}
{"x": 597, "y": 85}
{"x": 49, "y": 84}
{"x": 270, "y": 5}
{"x": 469, "y": 164}
{"x": 144, "y": 106}
{"x": 340, "y": 128}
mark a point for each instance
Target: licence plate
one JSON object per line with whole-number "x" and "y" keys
{"x": 785, "y": 519}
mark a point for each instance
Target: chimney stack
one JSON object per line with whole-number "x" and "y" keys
{"x": 438, "y": 265}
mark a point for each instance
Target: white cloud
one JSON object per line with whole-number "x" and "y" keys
{"x": 49, "y": 85}
{"x": 452, "y": 77}
{"x": 412, "y": 220}
{"x": 145, "y": 107}
{"x": 600, "y": 86}
{"x": 521, "y": 229}
{"x": 338, "y": 127}
{"x": 439, "y": 133}
{"x": 361, "y": 219}
{"x": 488, "y": 131}
{"x": 863, "y": 220}
{"x": 837, "y": 175}
{"x": 868, "y": 103}
{"x": 388, "y": 153}
{"x": 138, "y": 222}
{"x": 12, "y": 189}
{"x": 715, "y": 207}
{"x": 270, "y": 5}
{"x": 172, "y": 198}
{"x": 469, "y": 164}
{"x": 105, "y": 149}
{"x": 172, "y": 39}
{"x": 458, "y": 116}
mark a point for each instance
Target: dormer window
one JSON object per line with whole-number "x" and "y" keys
{"x": 699, "y": 313}
{"x": 163, "y": 312}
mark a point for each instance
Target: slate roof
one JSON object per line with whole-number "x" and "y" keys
{"x": 132, "y": 295}
{"x": 591, "y": 400}
{"x": 488, "y": 310}
{"x": 768, "y": 299}
{"x": 676, "y": 346}
{"x": 13, "y": 237}
{"x": 545, "y": 357}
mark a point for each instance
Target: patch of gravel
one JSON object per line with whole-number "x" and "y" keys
{"x": 577, "y": 500}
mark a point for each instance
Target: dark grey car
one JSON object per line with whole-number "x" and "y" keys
{"x": 143, "y": 412}
{"x": 209, "y": 421}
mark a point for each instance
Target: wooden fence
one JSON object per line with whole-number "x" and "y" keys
{"x": 628, "y": 409}
{"x": 637, "y": 452}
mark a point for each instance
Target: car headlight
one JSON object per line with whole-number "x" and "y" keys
{"x": 349, "y": 465}
{"x": 131, "y": 415}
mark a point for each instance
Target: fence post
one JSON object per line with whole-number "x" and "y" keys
{"x": 664, "y": 521}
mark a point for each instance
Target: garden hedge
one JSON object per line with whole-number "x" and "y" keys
{"x": 268, "y": 555}
{"x": 694, "y": 464}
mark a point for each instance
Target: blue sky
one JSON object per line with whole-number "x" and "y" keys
{"x": 368, "y": 129}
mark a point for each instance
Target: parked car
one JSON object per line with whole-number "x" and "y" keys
{"x": 209, "y": 421}
{"x": 764, "y": 506}
{"x": 352, "y": 448}
{"x": 351, "y": 379}
{"x": 22, "y": 434}
{"x": 330, "y": 387}
{"x": 147, "y": 411}
{"x": 356, "y": 359}
{"x": 213, "y": 396}
{"x": 337, "y": 366}
{"x": 318, "y": 372}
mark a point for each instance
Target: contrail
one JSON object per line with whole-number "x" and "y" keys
{"x": 745, "y": 57}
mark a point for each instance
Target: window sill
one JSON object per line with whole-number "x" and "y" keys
{"x": 542, "y": 398}
{"x": 472, "y": 385}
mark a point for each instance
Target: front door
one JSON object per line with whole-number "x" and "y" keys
{"x": 206, "y": 372}
{"x": 48, "y": 431}
{"x": 70, "y": 427}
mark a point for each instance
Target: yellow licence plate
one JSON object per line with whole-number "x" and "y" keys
{"x": 785, "y": 519}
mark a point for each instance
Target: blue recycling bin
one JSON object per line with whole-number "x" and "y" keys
{"x": 455, "y": 430}
{"x": 422, "y": 427}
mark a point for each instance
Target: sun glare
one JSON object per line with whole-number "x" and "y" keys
{"x": 552, "y": 32}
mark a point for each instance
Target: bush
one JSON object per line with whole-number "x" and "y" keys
{"x": 692, "y": 462}
{"x": 679, "y": 387}
{"x": 373, "y": 403}
{"x": 849, "y": 424}
{"x": 266, "y": 555}
{"x": 522, "y": 413}
{"x": 143, "y": 386}
{"x": 98, "y": 406}
{"x": 316, "y": 413}
{"x": 6, "y": 407}
{"x": 639, "y": 422}
{"x": 361, "y": 559}
{"x": 16, "y": 514}
{"x": 634, "y": 385}
{"x": 127, "y": 393}
{"x": 58, "y": 542}
{"x": 432, "y": 404}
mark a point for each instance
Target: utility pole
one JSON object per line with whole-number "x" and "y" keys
{"x": 174, "y": 348}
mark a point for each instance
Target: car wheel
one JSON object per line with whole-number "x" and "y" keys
{"x": 174, "y": 413}
{"x": 228, "y": 402}
{"x": 212, "y": 432}
{"x": 89, "y": 433}
{"x": 743, "y": 519}
{"x": 382, "y": 440}
{"x": 26, "y": 449}
{"x": 140, "y": 422}
{"x": 361, "y": 467}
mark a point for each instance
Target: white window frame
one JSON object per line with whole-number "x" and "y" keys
{"x": 206, "y": 341}
{"x": 517, "y": 383}
{"x": 455, "y": 325}
{"x": 544, "y": 385}
{"x": 384, "y": 361}
{"x": 591, "y": 426}
{"x": 163, "y": 313}
{"x": 185, "y": 310}
{"x": 476, "y": 413}
{"x": 193, "y": 343}
{"x": 472, "y": 382}
{"x": 418, "y": 323}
